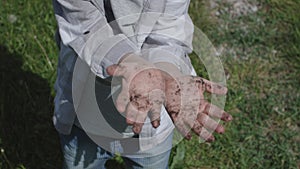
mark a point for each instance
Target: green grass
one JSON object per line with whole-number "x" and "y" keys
{"x": 263, "y": 91}
{"x": 261, "y": 59}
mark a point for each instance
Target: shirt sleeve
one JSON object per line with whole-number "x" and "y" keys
{"x": 171, "y": 37}
{"x": 82, "y": 25}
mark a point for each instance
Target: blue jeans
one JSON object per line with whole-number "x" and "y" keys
{"x": 80, "y": 152}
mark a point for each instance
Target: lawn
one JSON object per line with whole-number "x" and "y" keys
{"x": 258, "y": 42}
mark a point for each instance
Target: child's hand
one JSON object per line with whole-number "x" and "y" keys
{"x": 189, "y": 111}
{"x": 142, "y": 91}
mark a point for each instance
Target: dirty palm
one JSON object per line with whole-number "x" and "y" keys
{"x": 146, "y": 88}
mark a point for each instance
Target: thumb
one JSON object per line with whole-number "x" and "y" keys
{"x": 111, "y": 70}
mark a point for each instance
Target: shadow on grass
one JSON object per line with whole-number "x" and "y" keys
{"x": 26, "y": 131}
{"x": 27, "y": 134}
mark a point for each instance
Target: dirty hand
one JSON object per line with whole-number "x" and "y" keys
{"x": 187, "y": 107}
{"x": 142, "y": 91}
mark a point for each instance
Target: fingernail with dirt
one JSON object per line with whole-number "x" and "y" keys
{"x": 155, "y": 123}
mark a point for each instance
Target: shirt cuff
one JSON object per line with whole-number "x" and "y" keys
{"x": 113, "y": 50}
{"x": 169, "y": 54}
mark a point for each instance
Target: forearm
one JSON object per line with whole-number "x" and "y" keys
{"x": 83, "y": 27}
{"x": 171, "y": 38}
